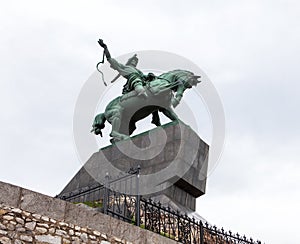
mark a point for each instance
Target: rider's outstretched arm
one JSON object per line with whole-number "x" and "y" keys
{"x": 106, "y": 52}
{"x": 114, "y": 63}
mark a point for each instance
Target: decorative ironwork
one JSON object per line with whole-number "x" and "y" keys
{"x": 184, "y": 229}
{"x": 151, "y": 215}
{"x": 110, "y": 195}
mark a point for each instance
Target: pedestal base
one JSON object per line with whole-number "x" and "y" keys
{"x": 172, "y": 157}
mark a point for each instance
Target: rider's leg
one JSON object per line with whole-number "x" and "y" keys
{"x": 138, "y": 87}
{"x": 140, "y": 90}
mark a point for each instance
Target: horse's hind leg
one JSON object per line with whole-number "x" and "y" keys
{"x": 155, "y": 118}
{"x": 170, "y": 114}
{"x": 132, "y": 126}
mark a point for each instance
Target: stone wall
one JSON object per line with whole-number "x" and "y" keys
{"x": 30, "y": 217}
{"x": 22, "y": 226}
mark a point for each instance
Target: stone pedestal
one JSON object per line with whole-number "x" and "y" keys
{"x": 173, "y": 161}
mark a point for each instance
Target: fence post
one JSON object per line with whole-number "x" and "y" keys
{"x": 201, "y": 232}
{"x": 138, "y": 197}
{"x": 106, "y": 194}
{"x": 178, "y": 226}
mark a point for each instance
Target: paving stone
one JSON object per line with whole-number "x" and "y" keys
{"x": 25, "y": 213}
{"x": 41, "y": 230}
{"x": 45, "y": 218}
{"x": 5, "y": 240}
{"x": 19, "y": 220}
{"x": 3, "y": 232}
{"x": 37, "y": 216}
{"x": 52, "y": 230}
{"x": 30, "y": 225}
{"x": 53, "y": 221}
{"x": 43, "y": 225}
{"x": 49, "y": 239}
{"x": 61, "y": 233}
{"x": 11, "y": 227}
{"x": 105, "y": 242}
{"x": 3, "y": 211}
{"x": 20, "y": 229}
{"x": 84, "y": 237}
{"x": 26, "y": 238}
{"x": 2, "y": 227}
{"x": 63, "y": 224}
{"x": 8, "y": 217}
{"x": 66, "y": 241}
{"x": 16, "y": 210}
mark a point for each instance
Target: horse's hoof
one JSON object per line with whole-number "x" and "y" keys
{"x": 157, "y": 123}
{"x": 125, "y": 137}
{"x": 117, "y": 139}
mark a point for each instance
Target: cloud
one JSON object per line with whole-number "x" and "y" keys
{"x": 254, "y": 186}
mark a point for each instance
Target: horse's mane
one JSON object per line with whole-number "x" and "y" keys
{"x": 177, "y": 74}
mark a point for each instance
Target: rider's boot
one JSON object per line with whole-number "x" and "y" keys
{"x": 140, "y": 90}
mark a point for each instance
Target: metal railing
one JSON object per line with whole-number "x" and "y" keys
{"x": 180, "y": 227}
{"x": 120, "y": 198}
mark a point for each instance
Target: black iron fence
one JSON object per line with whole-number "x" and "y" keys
{"x": 180, "y": 227}
{"x": 120, "y": 198}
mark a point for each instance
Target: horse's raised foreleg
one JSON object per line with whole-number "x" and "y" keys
{"x": 99, "y": 124}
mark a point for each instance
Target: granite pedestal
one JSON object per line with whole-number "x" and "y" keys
{"x": 173, "y": 156}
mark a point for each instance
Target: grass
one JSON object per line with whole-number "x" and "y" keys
{"x": 92, "y": 204}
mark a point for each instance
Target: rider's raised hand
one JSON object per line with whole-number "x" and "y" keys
{"x": 101, "y": 43}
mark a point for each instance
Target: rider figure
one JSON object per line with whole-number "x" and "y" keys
{"x": 135, "y": 78}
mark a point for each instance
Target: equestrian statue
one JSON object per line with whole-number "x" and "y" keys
{"x": 142, "y": 95}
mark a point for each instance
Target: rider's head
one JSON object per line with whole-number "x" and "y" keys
{"x": 150, "y": 77}
{"x": 133, "y": 61}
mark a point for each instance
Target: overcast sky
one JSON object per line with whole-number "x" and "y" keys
{"x": 250, "y": 51}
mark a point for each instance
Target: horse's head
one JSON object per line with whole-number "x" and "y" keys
{"x": 187, "y": 78}
{"x": 173, "y": 79}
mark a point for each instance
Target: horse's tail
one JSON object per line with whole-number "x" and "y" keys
{"x": 99, "y": 124}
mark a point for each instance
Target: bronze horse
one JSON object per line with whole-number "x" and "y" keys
{"x": 161, "y": 94}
